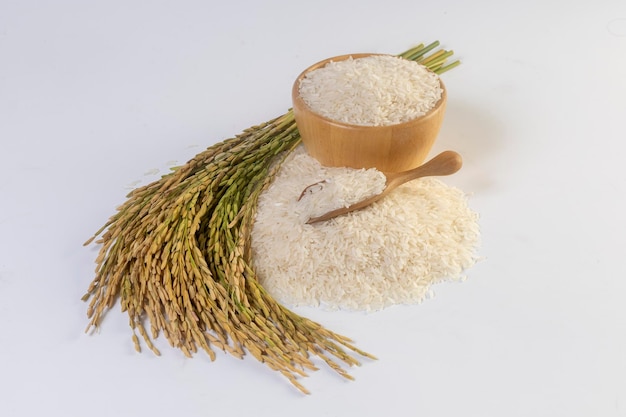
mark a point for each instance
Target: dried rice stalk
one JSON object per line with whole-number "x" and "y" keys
{"x": 176, "y": 256}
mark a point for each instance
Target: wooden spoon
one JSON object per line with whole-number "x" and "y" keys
{"x": 446, "y": 163}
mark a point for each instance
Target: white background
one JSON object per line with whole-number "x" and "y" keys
{"x": 99, "y": 96}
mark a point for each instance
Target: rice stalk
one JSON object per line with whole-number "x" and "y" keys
{"x": 176, "y": 256}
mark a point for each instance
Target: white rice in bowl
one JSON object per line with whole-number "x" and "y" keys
{"x": 388, "y": 253}
{"x": 376, "y": 90}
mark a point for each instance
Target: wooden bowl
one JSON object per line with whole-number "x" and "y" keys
{"x": 392, "y": 148}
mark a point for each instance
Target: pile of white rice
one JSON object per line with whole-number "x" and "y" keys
{"x": 388, "y": 253}
{"x": 376, "y": 90}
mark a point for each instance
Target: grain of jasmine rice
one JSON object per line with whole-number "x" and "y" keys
{"x": 376, "y": 90}
{"x": 389, "y": 253}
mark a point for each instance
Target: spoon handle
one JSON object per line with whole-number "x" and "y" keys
{"x": 446, "y": 163}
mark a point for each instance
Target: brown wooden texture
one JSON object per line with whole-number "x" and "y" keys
{"x": 393, "y": 148}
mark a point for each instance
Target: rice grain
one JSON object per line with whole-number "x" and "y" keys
{"x": 389, "y": 253}
{"x": 376, "y": 90}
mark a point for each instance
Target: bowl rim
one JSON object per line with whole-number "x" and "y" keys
{"x": 299, "y": 102}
